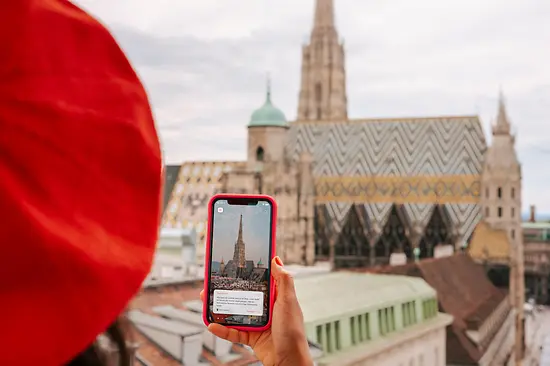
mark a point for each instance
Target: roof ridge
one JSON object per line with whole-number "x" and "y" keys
{"x": 394, "y": 119}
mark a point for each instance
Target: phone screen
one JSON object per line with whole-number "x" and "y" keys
{"x": 240, "y": 253}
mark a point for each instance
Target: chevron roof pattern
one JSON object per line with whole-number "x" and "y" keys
{"x": 391, "y": 147}
{"x": 441, "y": 150}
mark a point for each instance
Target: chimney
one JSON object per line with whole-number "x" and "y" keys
{"x": 532, "y": 213}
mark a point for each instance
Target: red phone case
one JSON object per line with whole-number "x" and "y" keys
{"x": 207, "y": 257}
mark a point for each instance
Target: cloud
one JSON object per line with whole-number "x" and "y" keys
{"x": 204, "y": 65}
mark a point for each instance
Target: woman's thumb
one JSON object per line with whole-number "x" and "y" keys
{"x": 283, "y": 279}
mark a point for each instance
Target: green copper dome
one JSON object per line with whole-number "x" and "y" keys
{"x": 268, "y": 114}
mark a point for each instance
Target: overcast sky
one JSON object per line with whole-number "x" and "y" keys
{"x": 204, "y": 65}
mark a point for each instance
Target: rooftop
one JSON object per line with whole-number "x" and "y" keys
{"x": 176, "y": 232}
{"x": 175, "y": 309}
{"x": 335, "y": 294}
{"x": 171, "y": 173}
{"x": 536, "y": 225}
{"x": 489, "y": 244}
{"x": 268, "y": 115}
{"x": 463, "y": 291}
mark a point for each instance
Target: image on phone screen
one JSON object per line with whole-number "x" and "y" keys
{"x": 240, "y": 263}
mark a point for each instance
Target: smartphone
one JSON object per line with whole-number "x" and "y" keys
{"x": 238, "y": 287}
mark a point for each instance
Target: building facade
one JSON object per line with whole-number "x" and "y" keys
{"x": 393, "y": 320}
{"x": 354, "y": 191}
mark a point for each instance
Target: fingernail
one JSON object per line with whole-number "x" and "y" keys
{"x": 278, "y": 261}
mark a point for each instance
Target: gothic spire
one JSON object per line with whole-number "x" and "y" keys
{"x": 324, "y": 14}
{"x": 240, "y": 237}
{"x": 323, "y": 86}
{"x": 502, "y": 125}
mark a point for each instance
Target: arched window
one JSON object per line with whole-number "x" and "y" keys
{"x": 260, "y": 153}
{"x": 499, "y": 192}
{"x": 513, "y": 193}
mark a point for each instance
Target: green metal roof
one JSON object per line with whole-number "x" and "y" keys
{"x": 333, "y": 295}
{"x": 268, "y": 115}
{"x": 535, "y": 225}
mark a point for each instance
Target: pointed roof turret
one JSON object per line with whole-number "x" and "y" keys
{"x": 260, "y": 262}
{"x": 268, "y": 115}
{"x": 222, "y": 262}
{"x": 324, "y": 14}
{"x": 502, "y": 125}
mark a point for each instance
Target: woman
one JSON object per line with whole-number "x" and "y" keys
{"x": 80, "y": 187}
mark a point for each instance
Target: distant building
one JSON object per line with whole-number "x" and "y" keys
{"x": 536, "y": 238}
{"x": 366, "y": 319}
{"x": 483, "y": 330}
{"x": 175, "y": 256}
{"x": 354, "y": 191}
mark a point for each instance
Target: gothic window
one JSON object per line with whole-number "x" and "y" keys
{"x": 513, "y": 193}
{"x": 352, "y": 246}
{"x": 513, "y": 212}
{"x": 487, "y": 192}
{"x": 393, "y": 238}
{"x": 437, "y": 232}
{"x": 318, "y": 98}
{"x": 260, "y": 154}
{"x": 318, "y": 92}
{"x": 513, "y": 234}
{"x": 323, "y": 233}
{"x": 499, "y": 192}
{"x": 486, "y": 211}
{"x": 500, "y": 212}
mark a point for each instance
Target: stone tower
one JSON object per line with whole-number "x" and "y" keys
{"x": 501, "y": 205}
{"x": 267, "y": 133}
{"x": 239, "y": 255}
{"x": 323, "y": 86}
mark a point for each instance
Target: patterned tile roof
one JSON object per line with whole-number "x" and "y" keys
{"x": 489, "y": 244}
{"x": 416, "y": 161}
{"x": 195, "y": 184}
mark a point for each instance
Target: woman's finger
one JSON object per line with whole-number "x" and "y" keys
{"x": 202, "y": 295}
{"x": 232, "y": 335}
{"x": 283, "y": 279}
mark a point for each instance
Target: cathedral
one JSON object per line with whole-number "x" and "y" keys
{"x": 354, "y": 191}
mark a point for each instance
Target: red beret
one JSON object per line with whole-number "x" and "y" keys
{"x": 80, "y": 181}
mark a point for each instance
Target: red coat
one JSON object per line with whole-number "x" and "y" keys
{"x": 80, "y": 181}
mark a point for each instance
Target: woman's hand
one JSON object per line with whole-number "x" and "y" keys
{"x": 285, "y": 343}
